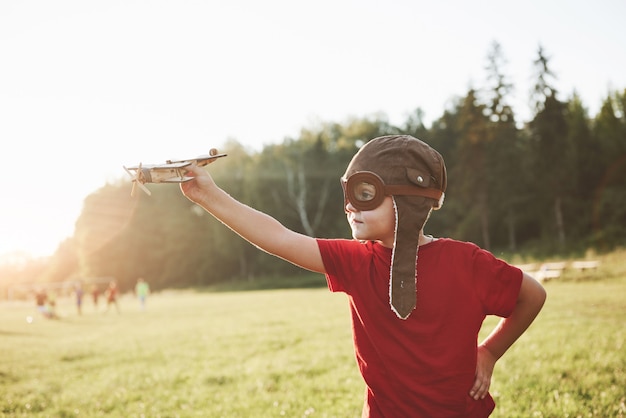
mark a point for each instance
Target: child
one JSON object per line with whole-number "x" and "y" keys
{"x": 95, "y": 294}
{"x": 78, "y": 291}
{"x": 415, "y": 317}
{"x": 142, "y": 289}
{"x": 112, "y": 295}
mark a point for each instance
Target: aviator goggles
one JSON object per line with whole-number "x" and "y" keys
{"x": 366, "y": 190}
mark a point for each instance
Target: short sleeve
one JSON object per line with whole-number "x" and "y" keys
{"x": 334, "y": 255}
{"x": 497, "y": 282}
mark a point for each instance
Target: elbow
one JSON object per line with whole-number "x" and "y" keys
{"x": 539, "y": 297}
{"x": 534, "y": 293}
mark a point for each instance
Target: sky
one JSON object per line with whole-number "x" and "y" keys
{"x": 87, "y": 86}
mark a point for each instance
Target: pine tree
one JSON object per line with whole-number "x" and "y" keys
{"x": 549, "y": 140}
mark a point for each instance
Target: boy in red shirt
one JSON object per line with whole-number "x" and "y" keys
{"x": 417, "y": 302}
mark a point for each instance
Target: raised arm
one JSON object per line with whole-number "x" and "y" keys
{"x": 255, "y": 227}
{"x": 529, "y": 302}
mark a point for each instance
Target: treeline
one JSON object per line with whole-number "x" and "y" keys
{"x": 553, "y": 185}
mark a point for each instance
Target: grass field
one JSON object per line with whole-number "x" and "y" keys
{"x": 274, "y": 353}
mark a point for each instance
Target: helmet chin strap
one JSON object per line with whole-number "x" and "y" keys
{"x": 403, "y": 273}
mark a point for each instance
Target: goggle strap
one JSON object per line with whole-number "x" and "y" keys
{"x": 413, "y": 191}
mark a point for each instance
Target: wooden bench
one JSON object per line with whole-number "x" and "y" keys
{"x": 548, "y": 271}
{"x": 527, "y": 267}
{"x": 558, "y": 266}
{"x": 545, "y": 275}
{"x": 585, "y": 265}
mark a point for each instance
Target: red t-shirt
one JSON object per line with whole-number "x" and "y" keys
{"x": 423, "y": 366}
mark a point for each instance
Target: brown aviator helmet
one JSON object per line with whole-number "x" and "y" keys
{"x": 414, "y": 175}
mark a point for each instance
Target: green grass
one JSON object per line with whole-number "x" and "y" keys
{"x": 239, "y": 354}
{"x": 273, "y": 353}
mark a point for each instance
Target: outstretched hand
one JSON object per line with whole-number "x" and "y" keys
{"x": 198, "y": 188}
{"x": 485, "y": 362}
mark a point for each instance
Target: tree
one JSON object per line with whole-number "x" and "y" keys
{"x": 472, "y": 170}
{"x": 505, "y": 179}
{"x": 105, "y": 216}
{"x": 414, "y": 124}
{"x": 549, "y": 139}
{"x": 609, "y": 200}
{"x": 583, "y": 153}
{"x": 443, "y": 136}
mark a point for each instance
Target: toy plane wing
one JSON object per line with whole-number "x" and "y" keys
{"x": 200, "y": 161}
{"x": 172, "y": 171}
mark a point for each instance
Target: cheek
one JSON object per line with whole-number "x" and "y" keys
{"x": 391, "y": 220}
{"x": 390, "y": 215}
{"x": 384, "y": 215}
{"x": 389, "y": 209}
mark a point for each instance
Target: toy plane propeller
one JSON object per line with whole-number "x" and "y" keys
{"x": 173, "y": 171}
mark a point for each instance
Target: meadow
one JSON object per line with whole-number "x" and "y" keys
{"x": 288, "y": 352}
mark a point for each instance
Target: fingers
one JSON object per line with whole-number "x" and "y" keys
{"x": 190, "y": 171}
{"x": 480, "y": 388}
{"x": 197, "y": 188}
{"x": 485, "y": 363}
{"x": 193, "y": 170}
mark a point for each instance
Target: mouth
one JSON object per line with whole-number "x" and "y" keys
{"x": 353, "y": 220}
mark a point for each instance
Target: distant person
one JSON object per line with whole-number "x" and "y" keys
{"x": 79, "y": 293}
{"x": 41, "y": 300}
{"x": 52, "y": 305}
{"x": 142, "y": 290}
{"x": 45, "y": 304}
{"x": 415, "y": 318}
{"x": 112, "y": 294}
{"x": 95, "y": 294}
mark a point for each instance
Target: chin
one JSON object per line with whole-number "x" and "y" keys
{"x": 360, "y": 237}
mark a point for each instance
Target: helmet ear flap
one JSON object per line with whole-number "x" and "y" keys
{"x": 443, "y": 186}
{"x": 439, "y": 203}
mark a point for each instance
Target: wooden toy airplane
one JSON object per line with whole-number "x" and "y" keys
{"x": 173, "y": 171}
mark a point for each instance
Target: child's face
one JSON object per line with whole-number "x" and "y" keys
{"x": 373, "y": 225}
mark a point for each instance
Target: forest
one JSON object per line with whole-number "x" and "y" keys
{"x": 552, "y": 185}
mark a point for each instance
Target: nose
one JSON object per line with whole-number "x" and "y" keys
{"x": 349, "y": 207}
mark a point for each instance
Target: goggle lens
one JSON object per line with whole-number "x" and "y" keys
{"x": 364, "y": 190}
